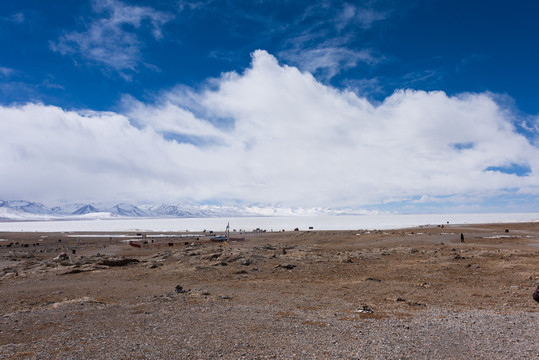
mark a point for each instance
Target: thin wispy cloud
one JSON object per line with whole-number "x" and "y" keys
{"x": 365, "y": 87}
{"x": 328, "y": 60}
{"x": 112, "y": 36}
{"x": 363, "y": 17}
{"x": 6, "y": 72}
{"x": 532, "y": 125}
{"x": 421, "y": 77}
{"x": 17, "y": 18}
{"x": 184, "y": 5}
{"x": 320, "y": 37}
{"x": 323, "y": 46}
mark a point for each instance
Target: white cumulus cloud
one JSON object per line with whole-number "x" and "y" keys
{"x": 271, "y": 135}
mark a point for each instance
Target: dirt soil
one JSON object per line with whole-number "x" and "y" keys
{"x": 401, "y": 294}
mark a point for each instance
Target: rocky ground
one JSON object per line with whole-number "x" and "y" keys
{"x": 403, "y": 294}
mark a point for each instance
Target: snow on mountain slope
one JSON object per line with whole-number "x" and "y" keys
{"x": 19, "y": 210}
{"x": 25, "y": 206}
{"x": 85, "y": 209}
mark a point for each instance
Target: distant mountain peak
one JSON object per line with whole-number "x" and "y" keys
{"x": 27, "y": 210}
{"x": 124, "y": 209}
{"x": 26, "y": 206}
{"x": 85, "y": 209}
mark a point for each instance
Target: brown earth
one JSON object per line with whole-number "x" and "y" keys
{"x": 413, "y": 293}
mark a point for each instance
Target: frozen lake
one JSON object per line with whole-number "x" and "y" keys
{"x": 379, "y": 221}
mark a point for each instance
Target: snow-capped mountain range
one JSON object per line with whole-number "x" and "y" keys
{"x": 19, "y": 210}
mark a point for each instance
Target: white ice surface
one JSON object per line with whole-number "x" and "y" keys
{"x": 378, "y": 221}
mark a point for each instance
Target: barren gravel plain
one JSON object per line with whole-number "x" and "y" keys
{"x": 395, "y": 294}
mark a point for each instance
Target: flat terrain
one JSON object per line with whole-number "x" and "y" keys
{"x": 402, "y": 294}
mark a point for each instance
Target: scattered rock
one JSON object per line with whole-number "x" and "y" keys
{"x": 220, "y": 263}
{"x": 233, "y": 258}
{"x": 414, "y": 303}
{"x": 536, "y": 294}
{"x": 246, "y": 262}
{"x": 62, "y": 257}
{"x": 73, "y": 271}
{"x": 364, "y": 309}
{"x": 179, "y": 289}
{"x": 373, "y": 279}
{"x": 213, "y": 256}
{"x": 287, "y": 266}
{"x": 84, "y": 268}
{"x": 118, "y": 261}
{"x": 9, "y": 275}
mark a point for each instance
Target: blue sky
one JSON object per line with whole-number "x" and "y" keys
{"x": 393, "y": 105}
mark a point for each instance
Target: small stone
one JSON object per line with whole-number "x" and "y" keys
{"x": 365, "y": 309}
{"x": 287, "y": 266}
